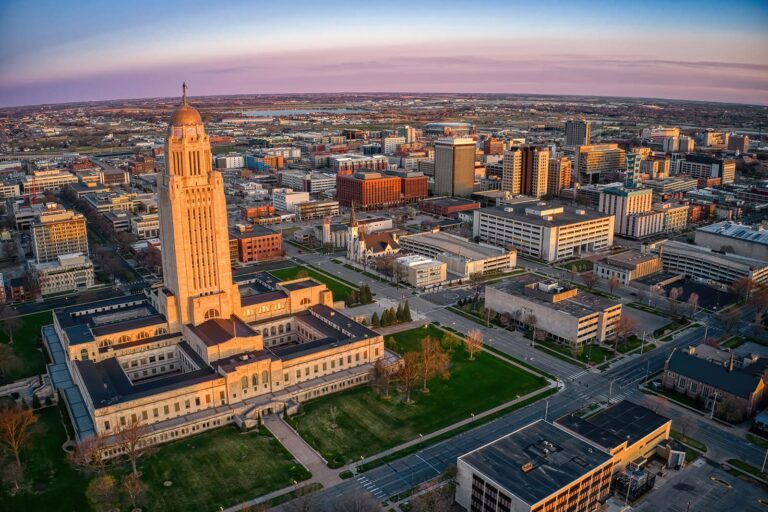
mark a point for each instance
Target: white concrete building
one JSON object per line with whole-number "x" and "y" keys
{"x": 708, "y": 266}
{"x": 286, "y": 199}
{"x": 739, "y": 239}
{"x": 390, "y": 144}
{"x": 420, "y": 271}
{"x": 543, "y": 231}
{"x": 68, "y": 272}
{"x": 145, "y": 226}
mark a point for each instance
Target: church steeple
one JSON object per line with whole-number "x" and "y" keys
{"x": 352, "y": 218}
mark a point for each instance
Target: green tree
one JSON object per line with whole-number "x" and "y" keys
{"x": 407, "y": 312}
{"x": 399, "y": 313}
{"x": 375, "y": 320}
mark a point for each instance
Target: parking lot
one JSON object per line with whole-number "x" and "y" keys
{"x": 703, "y": 487}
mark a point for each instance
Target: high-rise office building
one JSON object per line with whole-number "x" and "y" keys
{"x": 577, "y": 132}
{"x": 591, "y": 161}
{"x": 408, "y": 132}
{"x": 454, "y": 167}
{"x": 526, "y": 170}
{"x": 559, "y": 175}
{"x": 57, "y": 232}
{"x": 390, "y": 144}
{"x": 493, "y": 146}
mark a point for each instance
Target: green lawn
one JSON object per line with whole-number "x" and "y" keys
{"x": 341, "y": 289}
{"x": 218, "y": 468}
{"x": 24, "y": 358}
{"x": 749, "y": 468}
{"x": 683, "y": 399}
{"x": 368, "y": 424}
{"x": 591, "y": 354}
{"x": 694, "y": 443}
{"x": 760, "y": 441}
{"x": 579, "y": 265}
{"x": 633, "y": 343}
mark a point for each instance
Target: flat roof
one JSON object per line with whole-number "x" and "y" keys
{"x": 582, "y": 304}
{"x": 455, "y": 245}
{"x": 450, "y": 201}
{"x": 557, "y": 457}
{"x": 568, "y": 216}
{"x": 307, "y": 282}
{"x": 609, "y": 428}
{"x": 738, "y": 231}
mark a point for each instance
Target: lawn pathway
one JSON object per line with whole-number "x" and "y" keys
{"x": 301, "y": 451}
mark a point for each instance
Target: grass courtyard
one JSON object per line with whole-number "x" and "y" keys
{"x": 591, "y": 354}
{"x": 341, "y": 289}
{"x": 25, "y": 357}
{"x": 367, "y": 424}
{"x": 218, "y": 468}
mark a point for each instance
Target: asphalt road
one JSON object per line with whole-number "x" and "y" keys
{"x": 581, "y": 387}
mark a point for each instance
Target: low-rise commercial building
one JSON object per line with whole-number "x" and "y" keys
{"x": 349, "y": 163}
{"x": 538, "y": 468}
{"x": 706, "y": 265}
{"x": 548, "y": 232}
{"x": 286, "y": 199}
{"x": 448, "y": 206}
{"x": 317, "y": 209}
{"x": 420, "y": 271}
{"x": 627, "y": 266}
{"x": 735, "y": 238}
{"x": 49, "y": 179}
{"x": 564, "y": 314}
{"x": 67, "y": 273}
{"x": 706, "y": 166}
{"x": 256, "y": 243}
{"x": 463, "y": 257}
{"x": 146, "y": 225}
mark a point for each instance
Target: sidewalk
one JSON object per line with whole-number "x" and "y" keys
{"x": 301, "y": 451}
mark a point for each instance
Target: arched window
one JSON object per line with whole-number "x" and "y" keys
{"x": 105, "y": 343}
{"x": 160, "y": 331}
{"x": 244, "y": 382}
{"x": 124, "y": 338}
{"x": 280, "y": 329}
{"x": 212, "y": 313}
{"x": 84, "y": 354}
{"x": 265, "y": 376}
{"x": 287, "y": 327}
{"x": 272, "y": 330}
{"x": 255, "y": 380}
{"x": 142, "y": 335}
{"x": 305, "y": 300}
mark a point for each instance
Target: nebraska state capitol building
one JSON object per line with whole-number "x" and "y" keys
{"x": 192, "y": 354}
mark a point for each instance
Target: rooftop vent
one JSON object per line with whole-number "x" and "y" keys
{"x": 581, "y": 212}
{"x": 527, "y": 467}
{"x": 509, "y": 209}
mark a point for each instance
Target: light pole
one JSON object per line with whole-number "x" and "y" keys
{"x": 610, "y": 391}
{"x": 642, "y": 345}
{"x": 762, "y": 469}
{"x": 546, "y": 413}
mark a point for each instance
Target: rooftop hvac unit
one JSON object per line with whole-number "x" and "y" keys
{"x": 527, "y": 467}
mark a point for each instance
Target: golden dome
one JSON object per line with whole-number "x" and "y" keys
{"x": 185, "y": 114}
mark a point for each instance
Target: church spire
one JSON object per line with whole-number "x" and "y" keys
{"x": 352, "y": 218}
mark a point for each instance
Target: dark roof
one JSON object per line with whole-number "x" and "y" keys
{"x": 623, "y": 421}
{"x": 133, "y": 323}
{"x": 740, "y": 382}
{"x": 558, "y": 459}
{"x": 220, "y": 330}
{"x": 378, "y": 242}
{"x": 300, "y": 285}
{"x": 260, "y": 298}
{"x": 106, "y": 383}
{"x": 256, "y": 231}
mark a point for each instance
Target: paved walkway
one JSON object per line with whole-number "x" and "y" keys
{"x": 301, "y": 451}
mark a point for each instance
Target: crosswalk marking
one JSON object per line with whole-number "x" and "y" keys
{"x": 371, "y": 487}
{"x": 578, "y": 374}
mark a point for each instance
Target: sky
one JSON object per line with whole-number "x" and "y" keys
{"x": 54, "y": 51}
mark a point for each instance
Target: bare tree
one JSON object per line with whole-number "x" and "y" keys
{"x": 409, "y": 373}
{"x": 589, "y": 279}
{"x": 474, "y": 342}
{"x": 438, "y": 499}
{"x": 434, "y": 361}
{"x": 659, "y": 404}
{"x": 531, "y": 321}
{"x": 89, "y": 454}
{"x": 382, "y": 379}
{"x": 10, "y": 323}
{"x": 613, "y": 283}
{"x": 760, "y": 300}
{"x": 306, "y": 501}
{"x": 625, "y": 327}
{"x": 693, "y": 303}
{"x": 16, "y": 429}
{"x": 301, "y": 274}
{"x": 728, "y": 320}
{"x": 134, "y": 488}
{"x": 686, "y": 425}
{"x": 333, "y": 412}
{"x": 742, "y": 288}
{"x": 130, "y": 438}
{"x": 674, "y": 295}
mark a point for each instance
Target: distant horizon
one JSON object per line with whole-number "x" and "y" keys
{"x": 192, "y": 97}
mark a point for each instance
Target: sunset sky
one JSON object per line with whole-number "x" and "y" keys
{"x": 55, "y": 51}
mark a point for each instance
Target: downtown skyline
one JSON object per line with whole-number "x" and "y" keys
{"x": 81, "y": 51}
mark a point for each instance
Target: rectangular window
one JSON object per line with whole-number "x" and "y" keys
{"x": 197, "y": 401}
{"x": 176, "y": 407}
{"x": 166, "y": 410}
{"x": 106, "y": 425}
{"x": 186, "y": 404}
{"x": 155, "y": 413}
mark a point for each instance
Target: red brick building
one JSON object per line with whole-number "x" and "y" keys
{"x": 257, "y": 211}
{"x": 257, "y": 243}
{"x": 413, "y": 185}
{"x": 448, "y": 206}
{"x": 368, "y": 190}
{"x": 493, "y": 146}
